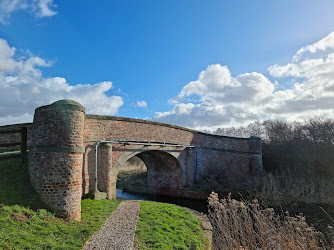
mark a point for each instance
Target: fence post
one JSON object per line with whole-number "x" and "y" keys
{"x": 23, "y": 144}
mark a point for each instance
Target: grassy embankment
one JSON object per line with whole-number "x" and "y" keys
{"x": 25, "y": 224}
{"x": 167, "y": 226}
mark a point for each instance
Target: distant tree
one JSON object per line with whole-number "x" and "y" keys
{"x": 307, "y": 146}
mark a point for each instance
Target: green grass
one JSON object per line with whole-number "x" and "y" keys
{"x": 167, "y": 226}
{"x": 15, "y": 187}
{"x": 26, "y": 225}
{"x": 23, "y": 228}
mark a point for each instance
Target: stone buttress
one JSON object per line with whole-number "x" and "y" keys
{"x": 56, "y": 157}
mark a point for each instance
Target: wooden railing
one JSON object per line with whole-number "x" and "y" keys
{"x": 22, "y": 143}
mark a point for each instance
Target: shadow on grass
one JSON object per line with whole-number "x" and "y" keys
{"x": 15, "y": 186}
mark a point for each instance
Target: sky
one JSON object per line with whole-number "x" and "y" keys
{"x": 193, "y": 63}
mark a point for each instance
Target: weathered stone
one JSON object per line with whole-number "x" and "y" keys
{"x": 97, "y": 195}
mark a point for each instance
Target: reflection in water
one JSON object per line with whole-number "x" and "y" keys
{"x": 199, "y": 205}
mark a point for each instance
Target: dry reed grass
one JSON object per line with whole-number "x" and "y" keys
{"x": 247, "y": 225}
{"x": 293, "y": 186}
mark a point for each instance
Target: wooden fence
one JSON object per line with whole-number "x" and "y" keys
{"x": 23, "y": 143}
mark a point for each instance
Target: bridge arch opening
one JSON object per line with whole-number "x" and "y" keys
{"x": 158, "y": 172}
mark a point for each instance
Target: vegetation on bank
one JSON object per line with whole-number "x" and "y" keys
{"x": 298, "y": 172}
{"x": 25, "y": 224}
{"x": 167, "y": 226}
{"x": 15, "y": 186}
{"x": 248, "y": 225}
{"x": 24, "y": 228}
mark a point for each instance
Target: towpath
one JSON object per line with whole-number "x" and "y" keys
{"x": 119, "y": 229}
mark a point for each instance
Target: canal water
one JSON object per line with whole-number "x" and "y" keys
{"x": 198, "y": 205}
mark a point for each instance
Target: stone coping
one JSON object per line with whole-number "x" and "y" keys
{"x": 64, "y": 104}
{"x": 16, "y": 125}
{"x": 118, "y": 118}
{"x": 126, "y": 139}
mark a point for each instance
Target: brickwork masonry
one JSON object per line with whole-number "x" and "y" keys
{"x": 62, "y": 143}
{"x": 56, "y": 157}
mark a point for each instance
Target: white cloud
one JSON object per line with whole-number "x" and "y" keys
{"x": 141, "y": 104}
{"x": 23, "y": 88}
{"x": 40, "y": 8}
{"x": 43, "y": 8}
{"x": 223, "y": 100}
{"x": 322, "y": 45}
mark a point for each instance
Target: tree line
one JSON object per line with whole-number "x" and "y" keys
{"x": 306, "y": 146}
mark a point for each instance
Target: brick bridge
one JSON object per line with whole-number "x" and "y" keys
{"x": 73, "y": 154}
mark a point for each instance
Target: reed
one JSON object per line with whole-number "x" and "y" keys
{"x": 293, "y": 186}
{"x": 248, "y": 225}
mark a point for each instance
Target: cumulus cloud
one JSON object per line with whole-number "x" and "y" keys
{"x": 217, "y": 99}
{"x": 40, "y": 8}
{"x": 23, "y": 88}
{"x": 141, "y": 104}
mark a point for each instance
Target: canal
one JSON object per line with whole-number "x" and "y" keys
{"x": 198, "y": 205}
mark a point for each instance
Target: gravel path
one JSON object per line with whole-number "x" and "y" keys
{"x": 119, "y": 229}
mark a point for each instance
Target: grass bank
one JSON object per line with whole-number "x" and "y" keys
{"x": 25, "y": 224}
{"x": 15, "y": 187}
{"x": 24, "y": 228}
{"x": 167, "y": 226}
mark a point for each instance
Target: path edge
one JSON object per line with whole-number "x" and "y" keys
{"x": 90, "y": 238}
{"x": 205, "y": 225}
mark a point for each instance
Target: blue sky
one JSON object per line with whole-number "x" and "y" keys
{"x": 199, "y": 64}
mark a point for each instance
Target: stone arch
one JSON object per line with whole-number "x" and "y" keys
{"x": 165, "y": 171}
